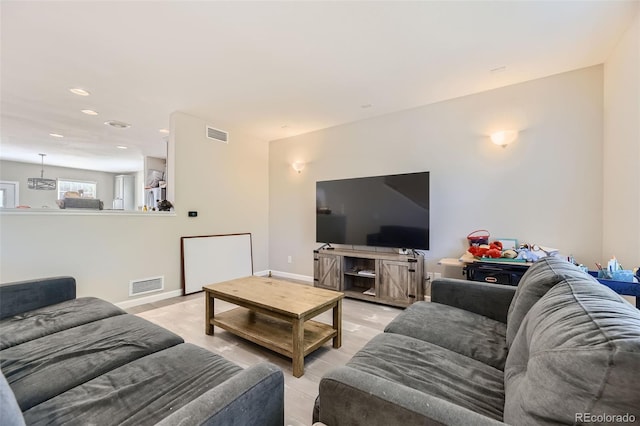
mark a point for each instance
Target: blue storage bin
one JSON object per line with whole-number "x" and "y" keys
{"x": 621, "y": 287}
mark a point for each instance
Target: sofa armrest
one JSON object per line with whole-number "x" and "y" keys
{"x": 489, "y": 300}
{"x": 253, "y": 397}
{"x": 352, "y": 397}
{"x": 24, "y": 296}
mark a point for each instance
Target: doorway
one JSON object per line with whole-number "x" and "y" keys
{"x": 9, "y": 194}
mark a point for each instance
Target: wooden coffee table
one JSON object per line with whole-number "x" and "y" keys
{"x": 276, "y": 314}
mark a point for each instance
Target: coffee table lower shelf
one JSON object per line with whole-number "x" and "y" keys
{"x": 272, "y": 333}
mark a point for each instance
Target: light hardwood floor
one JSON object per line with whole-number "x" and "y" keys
{"x": 361, "y": 321}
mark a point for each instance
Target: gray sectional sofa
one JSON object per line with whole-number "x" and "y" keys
{"x": 68, "y": 360}
{"x": 560, "y": 348}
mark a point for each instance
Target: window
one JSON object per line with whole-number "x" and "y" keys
{"x": 83, "y": 188}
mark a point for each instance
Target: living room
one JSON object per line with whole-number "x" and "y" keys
{"x": 570, "y": 180}
{"x": 559, "y": 184}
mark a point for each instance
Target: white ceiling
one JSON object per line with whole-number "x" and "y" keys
{"x": 273, "y": 69}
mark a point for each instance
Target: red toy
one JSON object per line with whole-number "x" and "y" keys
{"x": 494, "y": 250}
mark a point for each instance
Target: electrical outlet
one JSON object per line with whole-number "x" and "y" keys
{"x": 289, "y": 259}
{"x": 430, "y": 276}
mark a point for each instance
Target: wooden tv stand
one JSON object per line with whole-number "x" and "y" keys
{"x": 381, "y": 277}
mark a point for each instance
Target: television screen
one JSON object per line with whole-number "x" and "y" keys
{"x": 380, "y": 211}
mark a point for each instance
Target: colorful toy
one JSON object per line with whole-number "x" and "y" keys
{"x": 527, "y": 254}
{"x": 493, "y": 250}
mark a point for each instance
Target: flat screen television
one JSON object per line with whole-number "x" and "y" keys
{"x": 378, "y": 211}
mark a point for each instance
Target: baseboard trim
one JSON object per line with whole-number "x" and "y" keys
{"x": 148, "y": 299}
{"x": 282, "y": 274}
{"x": 298, "y": 277}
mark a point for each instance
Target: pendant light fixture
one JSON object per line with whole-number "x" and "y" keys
{"x": 41, "y": 183}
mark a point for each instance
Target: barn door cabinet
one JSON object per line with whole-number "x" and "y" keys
{"x": 327, "y": 271}
{"x": 388, "y": 278}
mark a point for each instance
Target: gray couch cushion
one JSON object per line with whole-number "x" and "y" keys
{"x": 433, "y": 370}
{"x": 10, "y": 414}
{"x": 139, "y": 393}
{"x": 54, "y": 318}
{"x": 577, "y": 351}
{"x": 461, "y": 331}
{"x": 541, "y": 276}
{"x": 42, "y": 368}
{"x": 253, "y": 397}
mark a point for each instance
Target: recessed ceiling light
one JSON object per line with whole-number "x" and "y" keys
{"x": 164, "y": 131}
{"x": 118, "y": 124}
{"x": 89, "y": 112}
{"x": 79, "y": 91}
{"x": 366, "y": 106}
{"x": 499, "y": 69}
{"x": 121, "y": 147}
{"x": 56, "y": 135}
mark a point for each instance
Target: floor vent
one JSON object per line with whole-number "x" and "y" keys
{"x": 217, "y": 135}
{"x": 146, "y": 285}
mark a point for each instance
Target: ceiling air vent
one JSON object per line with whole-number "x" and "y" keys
{"x": 145, "y": 285}
{"x": 217, "y": 135}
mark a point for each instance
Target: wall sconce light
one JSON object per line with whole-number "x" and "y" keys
{"x": 504, "y": 137}
{"x": 298, "y": 166}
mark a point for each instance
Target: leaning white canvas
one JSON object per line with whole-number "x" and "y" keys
{"x": 212, "y": 259}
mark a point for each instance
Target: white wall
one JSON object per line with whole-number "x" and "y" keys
{"x": 227, "y": 184}
{"x": 621, "y": 199}
{"x": 546, "y": 188}
{"x": 20, "y": 172}
{"x": 105, "y": 252}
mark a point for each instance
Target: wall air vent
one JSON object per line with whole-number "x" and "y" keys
{"x": 217, "y": 135}
{"x": 146, "y": 285}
